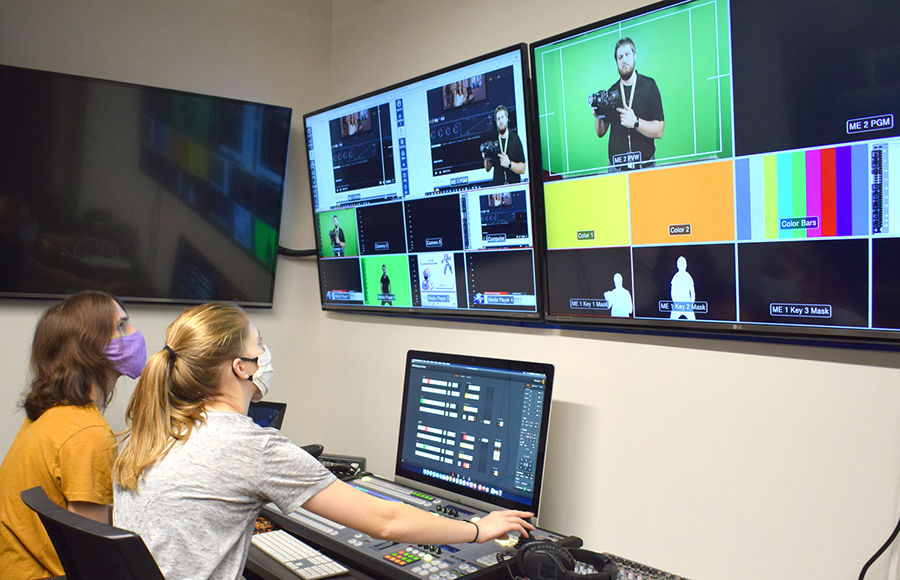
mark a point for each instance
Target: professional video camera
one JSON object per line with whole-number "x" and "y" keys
{"x": 490, "y": 148}
{"x": 605, "y": 103}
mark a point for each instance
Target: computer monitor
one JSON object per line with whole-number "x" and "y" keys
{"x": 763, "y": 207}
{"x": 423, "y": 205}
{"x": 475, "y": 427}
{"x": 267, "y": 413}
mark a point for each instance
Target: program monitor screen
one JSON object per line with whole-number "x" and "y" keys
{"x": 476, "y": 427}
{"x": 724, "y": 166}
{"x": 416, "y": 185}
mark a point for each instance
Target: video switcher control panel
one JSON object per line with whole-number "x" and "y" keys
{"x": 401, "y": 560}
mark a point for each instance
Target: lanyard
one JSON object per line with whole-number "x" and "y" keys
{"x": 633, "y": 89}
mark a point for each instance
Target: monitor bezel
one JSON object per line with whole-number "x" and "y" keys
{"x": 469, "y": 497}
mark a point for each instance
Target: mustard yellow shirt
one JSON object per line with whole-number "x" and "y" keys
{"x": 69, "y": 452}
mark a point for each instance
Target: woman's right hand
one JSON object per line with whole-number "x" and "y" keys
{"x": 497, "y": 525}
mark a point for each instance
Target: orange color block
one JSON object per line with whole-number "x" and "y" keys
{"x": 682, "y": 205}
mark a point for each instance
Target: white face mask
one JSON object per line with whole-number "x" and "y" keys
{"x": 262, "y": 378}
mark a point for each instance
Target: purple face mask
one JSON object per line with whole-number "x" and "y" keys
{"x": 128, "y": 354}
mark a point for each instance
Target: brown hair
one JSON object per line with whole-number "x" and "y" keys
{"x": 177, "y": 383}
{"x": 68, "y": 356}
{"x": 622, "y": 42}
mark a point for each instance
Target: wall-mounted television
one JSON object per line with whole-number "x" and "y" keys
{"x": 152, "y": 194}
{"x": 725, "y": 166}
{"x": 422, "y": 194}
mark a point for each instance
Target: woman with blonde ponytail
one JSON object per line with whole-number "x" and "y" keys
{"x": 195, "y": 470}
{"x": 170, "y": 399}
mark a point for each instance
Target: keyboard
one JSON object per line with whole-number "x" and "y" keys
{"x": 303, "y": 560}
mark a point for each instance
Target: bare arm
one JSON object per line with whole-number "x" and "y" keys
{"x": 651, "y": 129}
{"x": 601, "y": 126}
{"x": 516, "y": 166}
{"x": 94, "y": 511}
{"x": 399, "y": 522}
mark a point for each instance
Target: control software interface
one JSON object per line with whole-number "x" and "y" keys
{"x": 729, "y": 162}
{"x": 476, "y": 427}
{"x": 422, "y": 194}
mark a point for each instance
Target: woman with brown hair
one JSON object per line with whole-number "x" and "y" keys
{"x": 195, "y": 470}
{"x": 81, "y": 346}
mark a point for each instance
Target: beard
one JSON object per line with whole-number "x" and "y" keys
{"x": 626, "y": 74}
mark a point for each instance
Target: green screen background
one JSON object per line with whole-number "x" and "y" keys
{"x": 347, "y": 221}
{"x": 684, "y": 48}
{"x": 397, "y": 271}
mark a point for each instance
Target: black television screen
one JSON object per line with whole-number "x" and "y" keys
{"x": 476, "y": 427}
{"x": 422, "y": 194}
{"x": 724, "y": 166}
{"x": 152, "y": 194}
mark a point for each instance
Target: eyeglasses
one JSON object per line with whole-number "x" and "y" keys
{"x": 256, "y": 358}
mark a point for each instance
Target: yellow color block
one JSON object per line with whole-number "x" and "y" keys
{"x": 587, "y": 213}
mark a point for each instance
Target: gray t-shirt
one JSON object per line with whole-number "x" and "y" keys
{"x": 196, "y": 507}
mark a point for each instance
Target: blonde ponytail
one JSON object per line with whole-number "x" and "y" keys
{"x": 176, "y": 385}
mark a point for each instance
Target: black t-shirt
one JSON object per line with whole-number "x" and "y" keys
{"x": 516, "y": 154}
{"x": 385, "y": 284}
{"x": 647, "y": 105}
{"x": 337, "y": 237}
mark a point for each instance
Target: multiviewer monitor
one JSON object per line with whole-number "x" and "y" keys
{"x": 476, "y": 427}
{"x": 725, "y": 166}
{"x": 152, "y": 194}
{"x": 422, "y": 194}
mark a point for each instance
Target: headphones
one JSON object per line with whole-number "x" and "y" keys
{"x": 541, "y": 560}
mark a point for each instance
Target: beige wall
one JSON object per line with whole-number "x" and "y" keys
{"x": 274, "y": 52}
{"x": 718, "y": 460}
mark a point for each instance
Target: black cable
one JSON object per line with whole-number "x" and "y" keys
{"x": 282, "y": 251}
{"x": 506, "y": 558}
{"x": 880, "y": 551}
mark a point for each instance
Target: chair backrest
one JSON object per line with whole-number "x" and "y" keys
{"x": 90, "y": 550}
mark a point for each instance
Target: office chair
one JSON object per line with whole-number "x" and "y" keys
{"x": 90, "y": 550}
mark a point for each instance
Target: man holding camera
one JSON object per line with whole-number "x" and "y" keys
{"x": 631, "y": 110}
{"x": 337, "y": 238}
{"x": 509, "y": 154}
